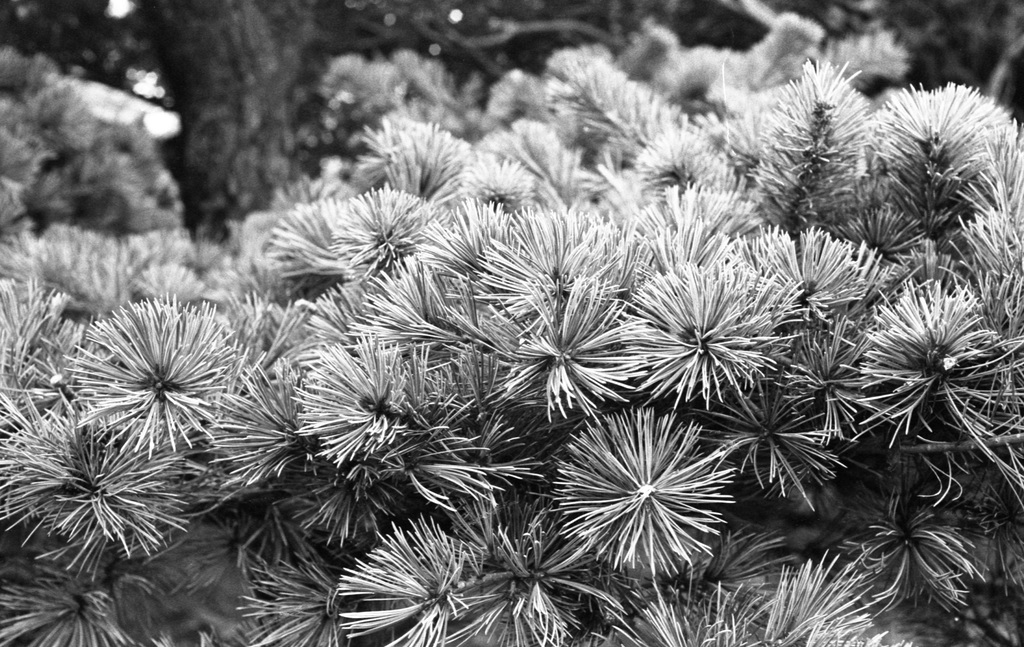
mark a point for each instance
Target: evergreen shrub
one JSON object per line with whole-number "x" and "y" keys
{"x": 612, "y": 374}
{"x": 61, "y": 164}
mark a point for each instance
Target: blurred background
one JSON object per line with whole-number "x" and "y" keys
{"x": 245, "y": 96}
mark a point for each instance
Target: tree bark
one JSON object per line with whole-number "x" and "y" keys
{"x": 232, "y": 67}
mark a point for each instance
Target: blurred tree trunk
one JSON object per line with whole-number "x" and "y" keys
{"x": 232, "y": 67}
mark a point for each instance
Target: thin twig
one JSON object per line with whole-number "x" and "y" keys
{"x": 754, "y": 9}
{"x": 965, "y": 445}
{"x": 453, "y": 38}
{"x": 472, "y": 46}
{"x": 512, "y": 29}
{"x": 997, "y": 82}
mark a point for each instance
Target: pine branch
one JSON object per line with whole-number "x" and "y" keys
{"x": 331, "y": 319}
{"x": 513, "y": 391}
{"x": 266, "y": 332}
{"x": 88, "y": 485}
{"x": 413, "y": 575}
{"x": 556, "y": 251}
{"x": 777, "y": 58}
{"x": 572, "y": 354}
{"x": 57, "y": 610}
{"x": 38, "y": 345}
{"x": 511, "y": 29}
{"x": 682, "y": 157}
{"x": 154, "y": 372}
{"x": 460, "y": 243}
{"x": 506, "y": 183}
{"x": 421, "y": 159}
{"x": 926, "y": 349}
{"x": 638, "y": 493}
{"x": 964, "y": 445}
{"x": 417, "y": 306}
{"x": 931, "y": 145}
{"x": 296, "y": 606}
{"x": 830, "y": 276}
{"x": 876, "y": 58}
{"x": 605, "y": 107}
{"x": 260, "y": 429}
{"x": 777, "y": 439}
{"x": 301, "y": 246}
{"x": 818, "y": 602}
{"x": 911, "y": 551}
{"x": 563, "y": 182}
{"x": 718, "y": 212}
{"x": 708, "y": 330}
{"x": 998, "y": 80}
{"x": 535, "y": 584}
{"x": 379, "y": 229}
{"x": 93, "y": 269}
{"x": 815, "y": 141}
{"x": 356, "y": 401}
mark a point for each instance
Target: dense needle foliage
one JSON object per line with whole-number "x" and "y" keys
{"x": 614, "y": 373}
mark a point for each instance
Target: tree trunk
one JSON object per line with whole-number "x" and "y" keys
{"x": 232, "y": 67}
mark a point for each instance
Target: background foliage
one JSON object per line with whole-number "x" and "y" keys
{"x": 945, "y": 41}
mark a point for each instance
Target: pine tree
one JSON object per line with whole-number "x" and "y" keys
{"x": 605, "y": 376}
